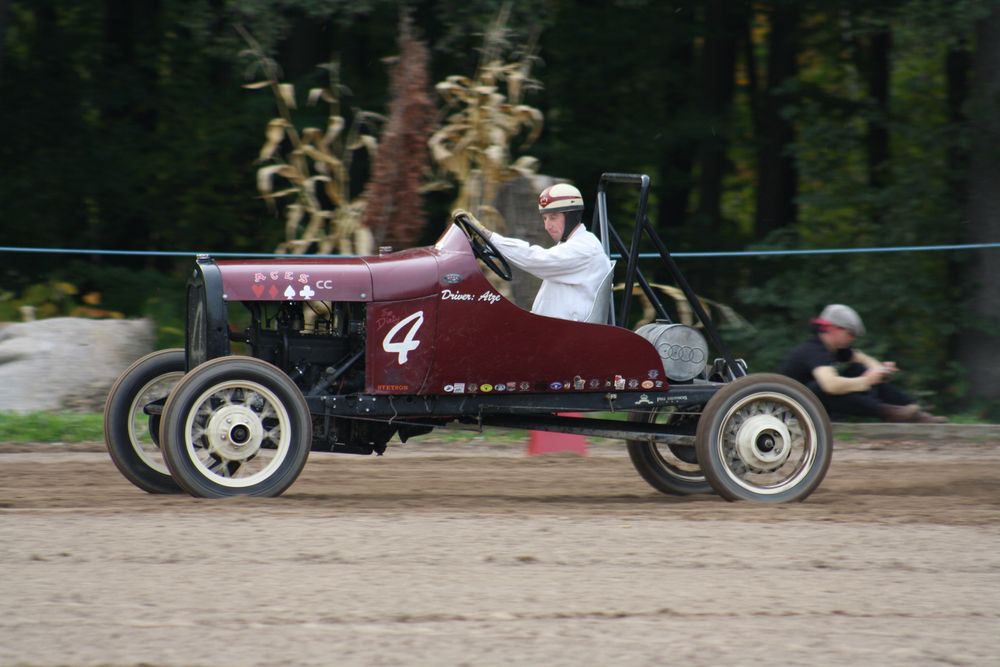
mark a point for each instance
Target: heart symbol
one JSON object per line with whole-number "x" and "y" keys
{"x": 257, "y": 290}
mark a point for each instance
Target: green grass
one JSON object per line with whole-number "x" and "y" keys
{"x": 51, "y": 427}
{"x": 967, "y": 418}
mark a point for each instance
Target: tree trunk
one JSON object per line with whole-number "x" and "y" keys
{"x": 957, "y": 65}
{"x": 673, "y": 186}
{"x": 877, "y": 61}
{"x": 119, "y": 32}
{"x": 777, "y": 184}
{"x": 718, "y": 67}
{"x": 958, "y": 62}
{"x": 980, "y": 349}
{"x": 3, "y": 32}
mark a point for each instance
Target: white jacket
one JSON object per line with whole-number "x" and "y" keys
{"x": 571, "y": 272}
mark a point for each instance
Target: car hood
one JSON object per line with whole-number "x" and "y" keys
{"x": 403, "y": 275}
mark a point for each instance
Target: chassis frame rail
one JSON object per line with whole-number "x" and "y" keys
{"x": 602, "y": 428}
{"x": 390, "y": 407}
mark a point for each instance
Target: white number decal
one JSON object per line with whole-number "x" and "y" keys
{"x": 404, "y": 346}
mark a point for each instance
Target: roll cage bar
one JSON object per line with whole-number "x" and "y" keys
{"x": 602, "y": 227}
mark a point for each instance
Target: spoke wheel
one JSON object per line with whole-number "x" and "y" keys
{"x": 236, "y": 426}
{"x": 765, "y": 438}
{"x": 670, "y": 469}
{"x": 132, "y": 436}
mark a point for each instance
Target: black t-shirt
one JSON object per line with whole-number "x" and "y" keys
{"x": 810, "y": 355}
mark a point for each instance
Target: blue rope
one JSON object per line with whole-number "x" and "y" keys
{"x": 829, "y": 251}
{"x": 645, "y": 255}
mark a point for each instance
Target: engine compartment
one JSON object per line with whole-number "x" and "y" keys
{"x": 319, "y": 345}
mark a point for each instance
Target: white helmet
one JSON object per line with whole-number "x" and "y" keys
{"x": 560, "y": 198}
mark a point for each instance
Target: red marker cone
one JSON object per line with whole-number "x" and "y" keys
{"x": 547, "y": 442}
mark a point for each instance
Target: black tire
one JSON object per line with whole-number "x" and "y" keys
{"x": 670, "y": 469}
{"x": 236, "y": 426}
{"x": 765, "y": 438}
{"x": 132, "y": 436}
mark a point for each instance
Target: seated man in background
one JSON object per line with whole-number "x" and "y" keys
{"x": 573, "y": 270}
{"x": 859, "y": 387}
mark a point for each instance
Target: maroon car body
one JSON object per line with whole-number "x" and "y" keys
{"x": 436, "y": 325}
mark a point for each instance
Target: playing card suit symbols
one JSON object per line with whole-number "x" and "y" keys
{"x": 257, "y": 290}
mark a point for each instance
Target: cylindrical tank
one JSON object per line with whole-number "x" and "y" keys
{"x": 682, "y": 348}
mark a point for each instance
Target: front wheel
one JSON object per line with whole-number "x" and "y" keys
{"x": 764, "y": 437}
{"x": 130, "y": 433}
{"x": 236, "y": 426}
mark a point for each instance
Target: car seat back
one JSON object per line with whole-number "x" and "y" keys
{"x": 601, "y": 309}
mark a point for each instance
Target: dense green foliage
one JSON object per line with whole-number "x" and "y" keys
{"x": 775, "y": 124}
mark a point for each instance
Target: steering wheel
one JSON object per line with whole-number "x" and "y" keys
{"x": 483, "y": 248}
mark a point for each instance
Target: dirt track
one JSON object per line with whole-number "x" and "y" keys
{"x": 473, "y": 554}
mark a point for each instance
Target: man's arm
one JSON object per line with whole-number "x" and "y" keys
{"x": 832, "y": 382}
{"x": 865, "y": 360}
{"x": 559, "y": 261}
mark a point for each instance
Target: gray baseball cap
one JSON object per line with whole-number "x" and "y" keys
{"x": 844, "y": 317}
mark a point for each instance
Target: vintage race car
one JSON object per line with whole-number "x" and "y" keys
{"x": 293, "y": 355}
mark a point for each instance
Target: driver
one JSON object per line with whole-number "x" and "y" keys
{"x": 572, "y": 270}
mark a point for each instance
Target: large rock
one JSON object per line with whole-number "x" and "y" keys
{"x": 67, "y": 363}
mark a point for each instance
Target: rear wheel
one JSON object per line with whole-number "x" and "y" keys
{"x": 236, "y": 426}
{"x": 766, "y": 438}
{"x": 131, "y": 435}
{"x": 670, "y": 469}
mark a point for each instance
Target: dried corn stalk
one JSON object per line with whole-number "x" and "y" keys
{"x": 310, "y": 170}
{"x": 487, "y": 116}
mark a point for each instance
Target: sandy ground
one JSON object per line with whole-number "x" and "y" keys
{"x": 472, "y": 554}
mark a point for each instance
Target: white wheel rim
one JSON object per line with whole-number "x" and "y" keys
{"x": 138, "y": 421}
{"x": 678, "y": 467}
{"x": 237, "y": 433}
{"x": 750, "y": 435}
{"x": 670, "y": 463}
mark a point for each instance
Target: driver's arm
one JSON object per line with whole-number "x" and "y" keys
{"x": 559, "y": 261}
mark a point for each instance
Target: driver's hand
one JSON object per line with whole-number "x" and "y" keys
{"x": 458, "y": 212}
